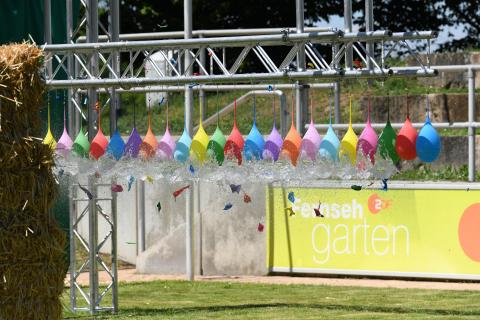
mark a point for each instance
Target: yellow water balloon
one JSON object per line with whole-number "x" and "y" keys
{"x": 348, "y": 145}
{"x": 198, "y": 148}
{"x": 49, "y": 139}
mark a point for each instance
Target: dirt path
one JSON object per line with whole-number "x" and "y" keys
{"x": 130, "y": 275}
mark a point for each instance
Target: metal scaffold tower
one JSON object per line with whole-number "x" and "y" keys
{"x": 106, "y": 60}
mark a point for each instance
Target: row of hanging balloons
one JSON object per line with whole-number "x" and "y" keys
{"x": 407, "y": 145}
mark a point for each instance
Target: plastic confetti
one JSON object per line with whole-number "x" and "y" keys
{"x": 191, "y": 85}
{"x": 228, "y": 206}
{"x": 191, "y": 169}
{"x": 61, "y": 172}
{"x": 260, "y": 227}
{"x": 159, "y": 206}
{"x": 131, "y": 179}
{"x": 290, "y": 211}
{"x": 88, "y": 193}
{"x": 291, "y": 197}
{"x": 97, "y": 175}
{"x": 246, "y": 198}
{"x": 317, "y": 211}
{"x": 116, "y": 188}
{"x": 149, "y": 179}
{"x": 235, "y": 188}
{"x": 270, "y": 88}
{"x": 161, "y": 101}
{"x": 385, "y": 185}
{"x": 176, "y": 193}
{"x": 356, "y": 187}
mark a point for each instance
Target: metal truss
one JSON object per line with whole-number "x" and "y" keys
{"x": 92, "y": 295}
{"x": 135, "y": 54}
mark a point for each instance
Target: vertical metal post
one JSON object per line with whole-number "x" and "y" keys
{"x": 92, "y": 244}
{"x": 283, "y": 115}
{"x": 198, "y": 214}
{"x": 348, "y": 26}
{"x": 471, "y": 129}
{"x": 201, "y": 93}
{"x": 301, "y": 92}
{"x": 187, "y": 18}
{"x": 337, "y": 114}
{"x": 92, "y": 36}
{"x": 141, "y": 215}
{"x": 114, "y": 29}
{"x": 369, "y": 27}
{"x": 47, "y": 30}
{"x": 72, "y": 128}
{"x": 189, "y": 259}
{"x": 114, "y": 250}
{"x": 72, "y": 219}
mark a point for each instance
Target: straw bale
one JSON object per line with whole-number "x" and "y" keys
{"x": 32, "y": 259}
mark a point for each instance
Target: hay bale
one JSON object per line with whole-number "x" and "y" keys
{"x": 32, "y": 264}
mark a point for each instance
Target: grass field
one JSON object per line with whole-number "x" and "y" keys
{"x": 219, "y": 300}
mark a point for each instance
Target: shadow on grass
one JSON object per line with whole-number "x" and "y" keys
{"x": 244, "y": 307}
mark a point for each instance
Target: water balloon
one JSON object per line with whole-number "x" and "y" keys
{"x": 274, "y": 142}
{"x": 216, "y": 146}
{"x": 254, "y": 143}
{"x": 311, "y": 140}
{"x": 99, "y": 143}
{"x": 330, "y": 142}
{"x": 132, "y": 147}
{"x": 116, "y": 146}
{"x": 386, "y": 141}
{"x": 348, "y": 145}
{"x": 292, "y": 143}
{"x": 81, "y": 146}
{"x": 182, "y": 149}
{"x": 167, "y": 145}
{"x": 367, "y": 143}
{"x": 49, "y": 139}
{"x": 64, "y": 144}
{"x": 405, "y": 145}
{"x": 198, "y": 147}
{"x": 149, "y": 144}
{"x": 428, "y": 144}
{"x": 234, "y": 145}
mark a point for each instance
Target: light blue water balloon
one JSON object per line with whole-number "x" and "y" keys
{"x": 182, "y": 149}
{"x": 329, "y": 146}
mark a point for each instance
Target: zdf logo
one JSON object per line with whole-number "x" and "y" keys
{"x": 376, "y": 204}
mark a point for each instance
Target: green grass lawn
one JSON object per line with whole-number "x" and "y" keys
{"x": 205, "y": 300}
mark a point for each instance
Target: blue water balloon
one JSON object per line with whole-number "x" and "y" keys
{"x": 428, "y": 143}
{"x": 116, "y": 146}
{"x": 182, "y": 149}
{"x": 254, "y": 144}
{"x": 329, "y": 146}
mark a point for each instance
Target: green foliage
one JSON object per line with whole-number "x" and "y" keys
{"x": 424, "y": 172}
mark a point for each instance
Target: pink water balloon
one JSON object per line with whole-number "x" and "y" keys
{"x": 367, "y": 143}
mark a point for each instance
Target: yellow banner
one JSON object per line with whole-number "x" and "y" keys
{"x": 416, "y": 233}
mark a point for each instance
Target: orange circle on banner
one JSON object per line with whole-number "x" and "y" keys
{"x": 468, "y": 234}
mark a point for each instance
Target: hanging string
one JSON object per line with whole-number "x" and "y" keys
{"x": 388, "y": 107}
{"x": 350, "y": 118}
{"x": 134, "y": 113}
{"x": 48, "y": 111}
{"x": 254, "y": 109}
{"x": 293, "y": 108}
{"x": 235, "y": 112}
{"x": 65, "y": 110}
{"x": 218, "y": 114}
{"x": 368, "y": 112}
{"x": 311, "y": 107}
{"x": 149, "y": 120}
{"x": 168, "y": 103}
{"x": 330, "y": 106}
{"x": 274, "y": 113}
{"x": 97, "y": 108}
